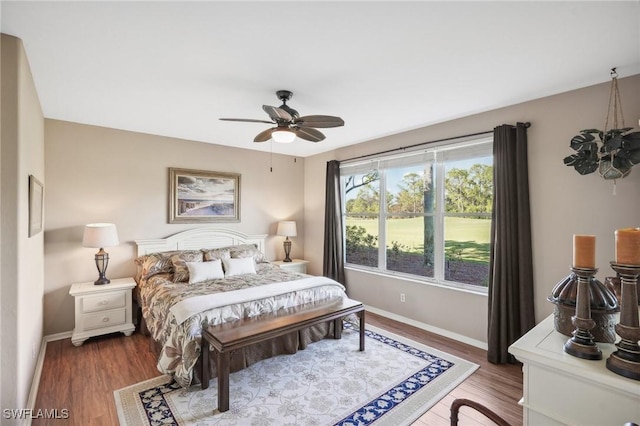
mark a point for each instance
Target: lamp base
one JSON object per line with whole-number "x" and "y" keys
{"x": 102, "y": 261}
{"x": 287, "y": 250}
{"x": 102, "y": 280}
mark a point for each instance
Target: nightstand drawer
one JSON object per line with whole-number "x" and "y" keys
{"x": 296, "y": 265}
{"x": 102, "y": 309}
{"x": 105, "y": 319}
{"x": 103, "y": 302}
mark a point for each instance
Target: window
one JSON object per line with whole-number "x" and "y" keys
{"x": 424, "y": 214}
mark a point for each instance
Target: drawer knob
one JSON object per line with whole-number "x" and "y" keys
{"x": 104, "y": 302}
{"x": 105, "y": 319}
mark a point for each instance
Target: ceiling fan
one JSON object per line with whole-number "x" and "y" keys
{"x": 289, "y": 124}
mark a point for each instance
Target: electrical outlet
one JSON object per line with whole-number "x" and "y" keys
{"x": 34, "y": 351}
{"x": 402, "y": 299}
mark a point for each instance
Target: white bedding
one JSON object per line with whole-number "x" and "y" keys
{"x": 187, "y": 308}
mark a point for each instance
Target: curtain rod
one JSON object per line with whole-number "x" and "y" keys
{"x": 403, "y": 148}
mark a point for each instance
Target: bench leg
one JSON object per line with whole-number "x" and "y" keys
{"x": 223, "y": 381}
{"x": 361, "y": 315}
{"x": 204, "y": 363}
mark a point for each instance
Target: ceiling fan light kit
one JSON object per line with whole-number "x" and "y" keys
{"x": 289, "y": 124}
{"x": 283, "y": 136}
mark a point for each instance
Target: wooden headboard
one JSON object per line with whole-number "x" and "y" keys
{"x": 199, "y": 238}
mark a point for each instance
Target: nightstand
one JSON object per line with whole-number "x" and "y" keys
{"x": 296, "y": 265}
{"x": 102, "y": 309}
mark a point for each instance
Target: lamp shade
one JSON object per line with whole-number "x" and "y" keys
{"x": 100, "y": 235}
{"x": 283, "y": 136}
{"x": 287, "y": 228}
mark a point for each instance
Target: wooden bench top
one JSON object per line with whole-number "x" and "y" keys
{"x": 243, "y": 332}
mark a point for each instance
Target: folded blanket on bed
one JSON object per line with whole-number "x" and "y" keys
{"x": 187, "y": 308}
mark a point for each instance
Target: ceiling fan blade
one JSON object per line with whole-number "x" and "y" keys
{"x": 308, "y": 134}
{"x": 265, "y": 135}
{"x": 246, "y": 120}
{"x": 320, "y": 121}
{"x": 277, "y": 114}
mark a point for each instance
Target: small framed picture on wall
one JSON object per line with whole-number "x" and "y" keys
{"x": 36, "y": 201}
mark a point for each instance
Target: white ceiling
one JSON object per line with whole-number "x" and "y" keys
{"x": 173, "y": 68}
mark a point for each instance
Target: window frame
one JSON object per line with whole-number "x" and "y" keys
{"x": 480, "y": 147}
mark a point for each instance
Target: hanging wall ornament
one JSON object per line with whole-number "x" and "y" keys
{"x": 612, "y": 151}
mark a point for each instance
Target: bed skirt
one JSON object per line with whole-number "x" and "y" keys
{"x": 244, "y": 357}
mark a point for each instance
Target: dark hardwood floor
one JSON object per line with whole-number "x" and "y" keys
{"x": 82, "y": 379}
{"x": 498, "y": 387}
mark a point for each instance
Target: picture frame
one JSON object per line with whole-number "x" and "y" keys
{"x": 36, "y": 204}
{"x": 199, "y": 196}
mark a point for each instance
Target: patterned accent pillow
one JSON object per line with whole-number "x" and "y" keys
{"x": 214, "y": 254}
{"x": 247, "y": 250}
{"x": 153, "y": 264}
{"x": 179, "y": 260}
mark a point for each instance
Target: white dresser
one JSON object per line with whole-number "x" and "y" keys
{"x": 560, "y": 389}
{"x": 102, "y": 309}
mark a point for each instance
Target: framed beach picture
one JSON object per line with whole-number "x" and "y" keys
{"x": 36, "y": 200}
{"x": 198, "y": 196}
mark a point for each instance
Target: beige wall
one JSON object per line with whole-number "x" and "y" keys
{"x": 314, "y": 195}
{"x": 21, "y": 257}
{"x": 97, "y": 174}
{"x": 563, "y": 203}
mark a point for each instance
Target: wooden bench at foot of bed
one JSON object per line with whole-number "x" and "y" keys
{"x": 234, "y": 335}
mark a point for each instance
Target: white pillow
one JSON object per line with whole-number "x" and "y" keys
{"x": 244, "y": 265}
{"x": 203, "y": 271}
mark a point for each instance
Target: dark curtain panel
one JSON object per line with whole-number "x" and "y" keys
{"x": 511, "y": 312}
{"x": 333, "y": 263}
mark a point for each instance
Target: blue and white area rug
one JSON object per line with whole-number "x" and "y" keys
{"x": 393, "y": 382}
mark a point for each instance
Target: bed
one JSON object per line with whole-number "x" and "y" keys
{"x": 209, "y": 276}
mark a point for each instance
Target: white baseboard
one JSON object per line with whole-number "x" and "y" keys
{"x": 427, "y": 327}
{"x": 58, "y": 336}
{"x": 35, "y": 382}
{"x": 37, "y": 374}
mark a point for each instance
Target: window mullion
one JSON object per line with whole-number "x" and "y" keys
{"x": 382, "y": 222}
{"x": 438, "y": 258}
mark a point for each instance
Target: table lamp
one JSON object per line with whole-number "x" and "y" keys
{"x": 100, "y": 235}
{"x": 287, "y": 228}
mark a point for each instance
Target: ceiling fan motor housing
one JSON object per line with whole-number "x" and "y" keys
{"x": 284, "y": 96}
